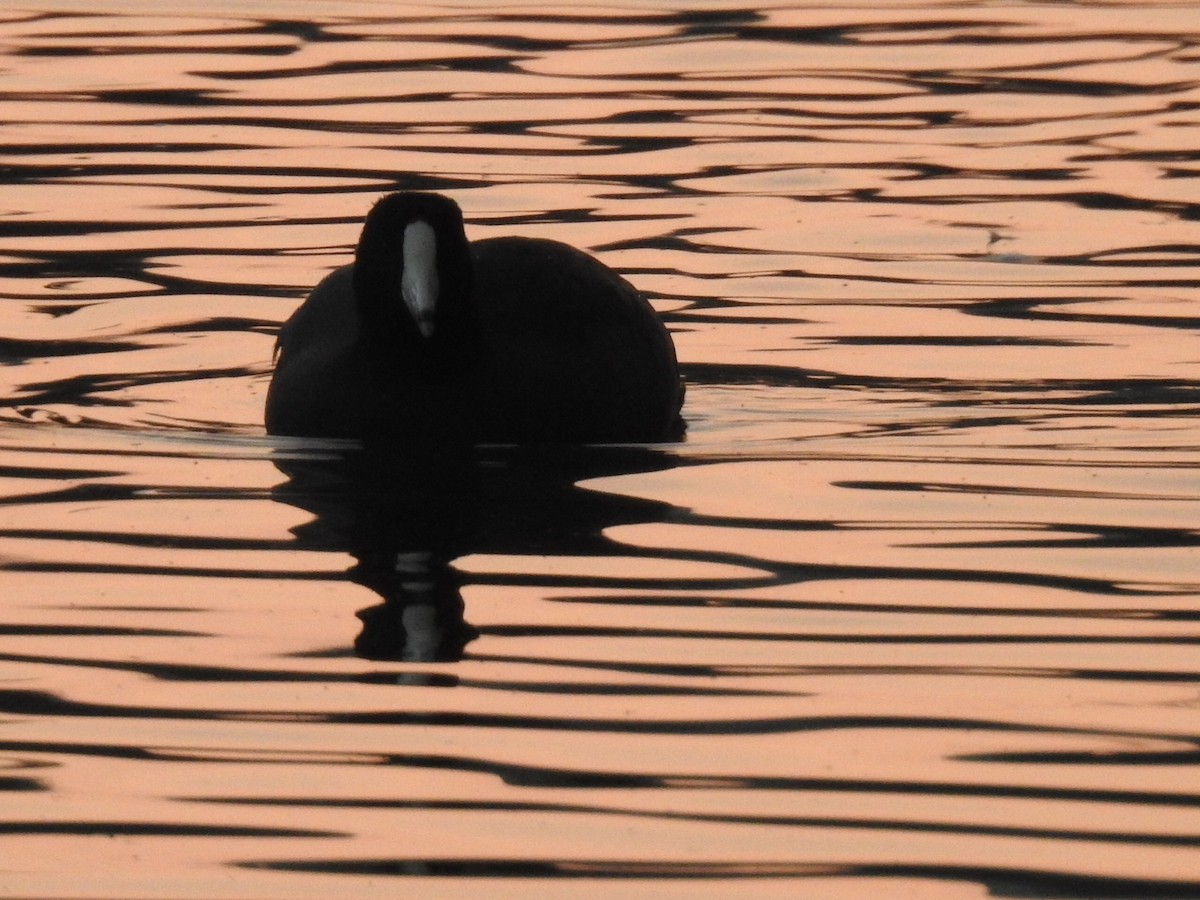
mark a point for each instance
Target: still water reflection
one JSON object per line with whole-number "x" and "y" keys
{"x": 911, "y": 612}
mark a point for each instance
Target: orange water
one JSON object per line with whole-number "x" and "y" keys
{"x": 911, "y": 612}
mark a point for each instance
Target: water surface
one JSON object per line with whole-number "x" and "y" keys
{"x": 911, "y": 612}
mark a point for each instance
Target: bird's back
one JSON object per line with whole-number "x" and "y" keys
{"x": 573, "y": 351}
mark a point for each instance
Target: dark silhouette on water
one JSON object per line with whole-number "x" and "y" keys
{"x": 406, "y": 513}
{"x": 505, "y": 340}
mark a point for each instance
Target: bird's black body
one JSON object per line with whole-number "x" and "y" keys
{"x": 529, "y": 340}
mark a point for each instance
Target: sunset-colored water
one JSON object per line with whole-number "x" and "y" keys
{"x": 912, "y": 611}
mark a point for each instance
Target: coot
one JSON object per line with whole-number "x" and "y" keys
{"x": 504, "y": 340}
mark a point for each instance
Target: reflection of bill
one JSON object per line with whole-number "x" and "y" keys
{"x": 422, "y": 616}
{"x": 405, "y": 513}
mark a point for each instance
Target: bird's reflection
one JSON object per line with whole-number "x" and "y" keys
{"x": 406, "y": 513}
